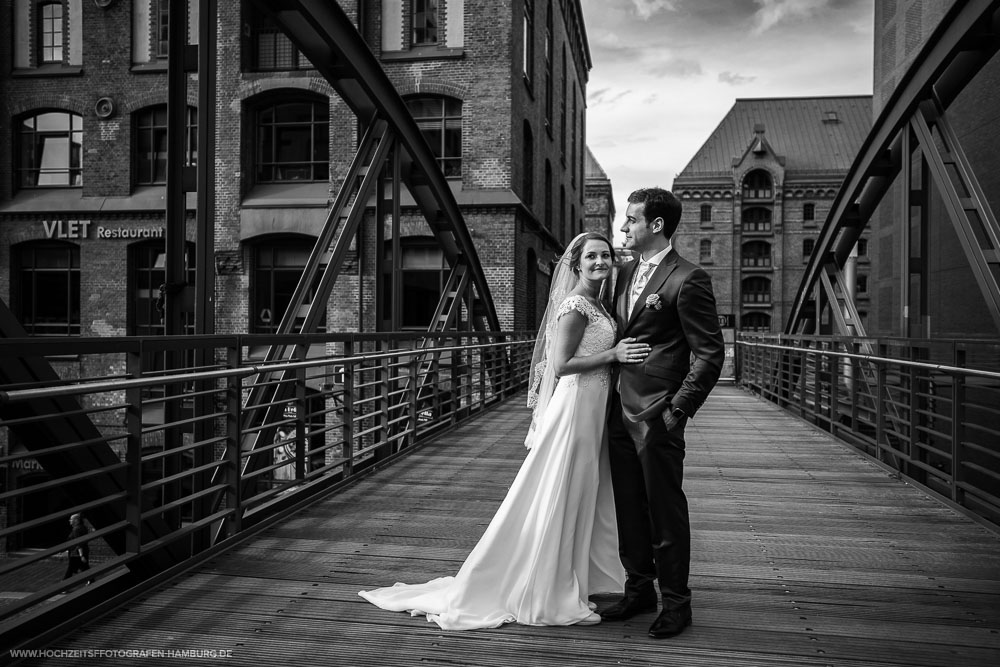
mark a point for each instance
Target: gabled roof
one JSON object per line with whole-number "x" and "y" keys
{"x": 812, "y": 134}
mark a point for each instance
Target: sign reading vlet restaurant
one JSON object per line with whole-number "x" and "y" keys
{"x": 84, "y": 229}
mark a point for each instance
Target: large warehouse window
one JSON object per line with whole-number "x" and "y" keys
{"x": 46, "y": 294}
{"x": 50, "y": 150}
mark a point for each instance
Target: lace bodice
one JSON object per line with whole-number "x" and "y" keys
{"x": 597, "y": 337}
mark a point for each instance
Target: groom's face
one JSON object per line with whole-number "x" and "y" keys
{"x": 639, "y": 232}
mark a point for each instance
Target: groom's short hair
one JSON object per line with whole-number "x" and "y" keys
{"x": 659, "y": 203}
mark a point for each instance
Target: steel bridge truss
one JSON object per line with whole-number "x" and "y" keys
{"x": 912, "y": 128}
{"x": 392, "y": 153}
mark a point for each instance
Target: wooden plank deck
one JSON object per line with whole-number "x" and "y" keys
{"x": 804, "y": 553}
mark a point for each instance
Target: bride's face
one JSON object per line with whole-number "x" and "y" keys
{"x": 595, "y": 260}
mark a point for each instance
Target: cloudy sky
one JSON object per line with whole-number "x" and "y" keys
{"x": 667, "y": 71}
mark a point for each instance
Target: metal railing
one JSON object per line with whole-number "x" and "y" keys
{"x": 929, "y": 410}
{"x": 158, "y": 463}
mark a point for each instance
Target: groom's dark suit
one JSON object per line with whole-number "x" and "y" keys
{"x": 646, "y": 459}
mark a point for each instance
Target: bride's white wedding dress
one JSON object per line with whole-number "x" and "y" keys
{"x": 554, "y": 541}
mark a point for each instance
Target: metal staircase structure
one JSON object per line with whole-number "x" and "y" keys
{"x": 913, "y": 124}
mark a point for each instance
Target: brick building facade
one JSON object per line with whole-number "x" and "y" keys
{"x": 498, "y": 89}
{"x": 757, "y": 193}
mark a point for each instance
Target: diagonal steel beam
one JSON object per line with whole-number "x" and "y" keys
{"x": 965, "y": 40}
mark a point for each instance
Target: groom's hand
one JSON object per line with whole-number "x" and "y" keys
{"x": 672, "y": 417}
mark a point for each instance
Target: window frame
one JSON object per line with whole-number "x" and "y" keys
{"x": 275, "y": 245}
{"x": 282, "y": 50}
{"x": 72, "y": 172}
{"x": 410, "y": 281}
{"x": 528, "y": 48}
{"x": 809, "y": 213}
{"x": 40, "y": 41}
{"x": 316, "y": 163}
{"x": 446, "y": 124}
{"x": 27, "y": 314}
{"x": 753, "y": 280}
{"x": 156, "y": 130}
{"x": 431, "y": 14}
{"x": 705, "y": 214}
{"x": 705, "y": 251}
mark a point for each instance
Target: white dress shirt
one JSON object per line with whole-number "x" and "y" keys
{"x": 641, "y": 276}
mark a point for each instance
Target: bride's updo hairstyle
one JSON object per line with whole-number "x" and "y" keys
{"x": 576, "y": 251}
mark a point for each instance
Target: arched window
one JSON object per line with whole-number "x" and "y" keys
{"x": 278, "y": 264}
{"x": 46, "y": 289}
{"x": 756, "y": 254}
{"x": 756, "y": 290}
{"x": 757, "y": 220}
{"x": 50, "y": 150}
{"x": 706, "y": 213}
{"x": 440, "y": 121}
{"x": 151, "y": 144}
{"x": 705, "y": 251}
{"x": 756, "y": 321}
{"x": 292, "y": 139}
{"x": 757, "y": 184}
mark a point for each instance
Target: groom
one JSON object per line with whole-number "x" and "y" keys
{"x": 665, "y": 301}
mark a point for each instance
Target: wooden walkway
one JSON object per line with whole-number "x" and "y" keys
{"x": 804, "y": 554}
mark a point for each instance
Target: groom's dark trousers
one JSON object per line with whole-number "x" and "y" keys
{"x": 655, "y": 528}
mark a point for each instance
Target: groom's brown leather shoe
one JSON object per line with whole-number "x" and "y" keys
{"x": 670, "y": 622}
{"x": 629, "y": 606}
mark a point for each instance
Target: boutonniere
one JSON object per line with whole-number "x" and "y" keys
{"x": 653, "y": 301}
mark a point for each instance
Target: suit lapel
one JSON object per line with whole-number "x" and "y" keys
{"x": 655, "y": 282}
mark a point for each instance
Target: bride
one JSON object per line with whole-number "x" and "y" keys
{"x": 553, "y": 542}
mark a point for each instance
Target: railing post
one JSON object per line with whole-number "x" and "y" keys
{"x": 958, "y": 429}
{"x": 234, "y": 464}
{"x": 301, "y": 445}
{"x": 348, "y": 451}
{"x": 483, "y": 354}
{"x": 880, "y": 409}
{"x": 133, "y": 457}
{"x": 413, "y": 389}
{"x": 833, "y": 413}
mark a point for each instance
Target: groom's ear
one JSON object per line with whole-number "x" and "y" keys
{"x": 657, "y": 225}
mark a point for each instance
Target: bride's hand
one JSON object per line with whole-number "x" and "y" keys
{"x": 629, "y": 352}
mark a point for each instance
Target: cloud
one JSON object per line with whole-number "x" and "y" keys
{"x": 773, "y": 12}
{"x": 734, "y": 79}
{"x": 676, "y": 67}
{"x": 646, "y": 8}
{"x": 605, "y": 96}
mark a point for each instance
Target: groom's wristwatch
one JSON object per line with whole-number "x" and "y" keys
{"x": 678, "y": 414}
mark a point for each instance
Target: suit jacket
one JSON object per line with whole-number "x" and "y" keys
{"x": 687, "y": 345}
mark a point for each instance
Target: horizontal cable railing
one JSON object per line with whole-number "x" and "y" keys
{"x": 928, "y": 409}
{"x": 158, "y": 462}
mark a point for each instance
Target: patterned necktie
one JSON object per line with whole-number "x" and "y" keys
{"x": 642, "y": 275}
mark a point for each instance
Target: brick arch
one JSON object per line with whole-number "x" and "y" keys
{"x": 152, "y": 98}
{"x": 423, "y": 86}
{"x": 251, "y": 89}
{"x": 20, "y": 107}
